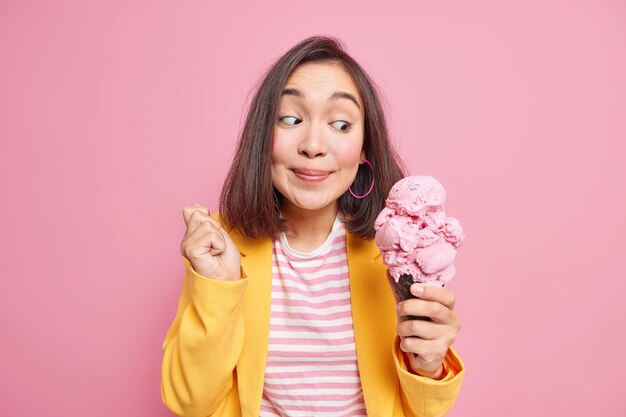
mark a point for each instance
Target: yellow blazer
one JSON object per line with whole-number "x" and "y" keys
{"x": 216, "y": 347}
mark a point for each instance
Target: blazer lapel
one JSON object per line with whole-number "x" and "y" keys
{"x": 256, "y": 261}
{"x": 372, "y": 316}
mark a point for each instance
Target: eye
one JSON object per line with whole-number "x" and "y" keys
{"x": 290, "y": 120}
{"x": 342, "y": 125}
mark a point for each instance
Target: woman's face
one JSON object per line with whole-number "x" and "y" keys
{"x": 318, "y": 138}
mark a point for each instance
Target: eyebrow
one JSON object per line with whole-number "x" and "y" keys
{"x": 334, "y": 96}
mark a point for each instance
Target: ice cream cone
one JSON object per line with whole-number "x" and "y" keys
{"x": 417, "y": 240}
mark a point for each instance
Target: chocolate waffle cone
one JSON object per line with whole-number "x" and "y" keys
{"x": 404, "y": 291}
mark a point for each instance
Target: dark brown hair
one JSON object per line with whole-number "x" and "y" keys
{"x": 250, "y": 204}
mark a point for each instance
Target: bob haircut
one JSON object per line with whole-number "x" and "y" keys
{"x": 250, "y": 204}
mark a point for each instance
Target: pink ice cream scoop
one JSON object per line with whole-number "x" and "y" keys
{"x": 417, "y": 240}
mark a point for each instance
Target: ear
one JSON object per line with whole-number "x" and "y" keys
{"x": 362, "y": 156}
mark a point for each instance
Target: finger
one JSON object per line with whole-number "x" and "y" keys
{"x": 432, "y": 293}
{"x": 217, "y": 243}
{"x": 195, "y": 220}
{"x": 437, "y": 312}
{"x": 419, "y": 328}
{"x": 203, "y": 218}
{"x": 199, "y": 217}
{"x": 207, "y": 230}
{"x": 205, "y": 239}
{"x": 428, "y": 351}
{"x": 189, "y": 210}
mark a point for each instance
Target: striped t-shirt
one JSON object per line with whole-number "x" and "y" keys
{"x": 311, "y": 362}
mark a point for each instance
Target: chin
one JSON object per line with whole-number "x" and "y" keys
{"x": 312, "y": 207}
{"x": 313, "y": 204}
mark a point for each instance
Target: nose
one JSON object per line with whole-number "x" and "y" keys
{"x": 313, "y": 143}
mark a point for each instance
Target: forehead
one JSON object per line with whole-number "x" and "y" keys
{"x": 322, "y": 79}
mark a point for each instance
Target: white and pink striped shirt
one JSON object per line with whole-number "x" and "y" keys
{"x": 311, "y": 362}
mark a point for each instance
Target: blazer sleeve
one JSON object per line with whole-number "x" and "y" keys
{"x": 425, "y": 397}
{"x": 203, "y": 344}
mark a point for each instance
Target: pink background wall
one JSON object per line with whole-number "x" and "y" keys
{"x": 115, "y": 116}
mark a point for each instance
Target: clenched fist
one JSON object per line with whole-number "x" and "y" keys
{"x": 208, "y": 247}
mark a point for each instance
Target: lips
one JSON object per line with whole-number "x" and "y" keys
{"x": 311, "y": 175}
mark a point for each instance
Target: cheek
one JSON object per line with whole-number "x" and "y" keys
{"x": 350, "y": 153}
{"x": 280, "y": 150}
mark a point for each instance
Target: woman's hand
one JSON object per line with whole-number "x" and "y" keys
{"x": 427, "y": 342}
{"x": 208, "y": 247}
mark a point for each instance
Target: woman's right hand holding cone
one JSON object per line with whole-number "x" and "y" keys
{"x": 207, "y": 246}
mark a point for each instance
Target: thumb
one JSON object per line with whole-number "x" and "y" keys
{"x": 433, "y": 293}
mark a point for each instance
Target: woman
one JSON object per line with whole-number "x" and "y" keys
{"x": 285, "y": 307}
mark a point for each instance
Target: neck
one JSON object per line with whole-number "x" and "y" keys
{"x": 306, "y": 229}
